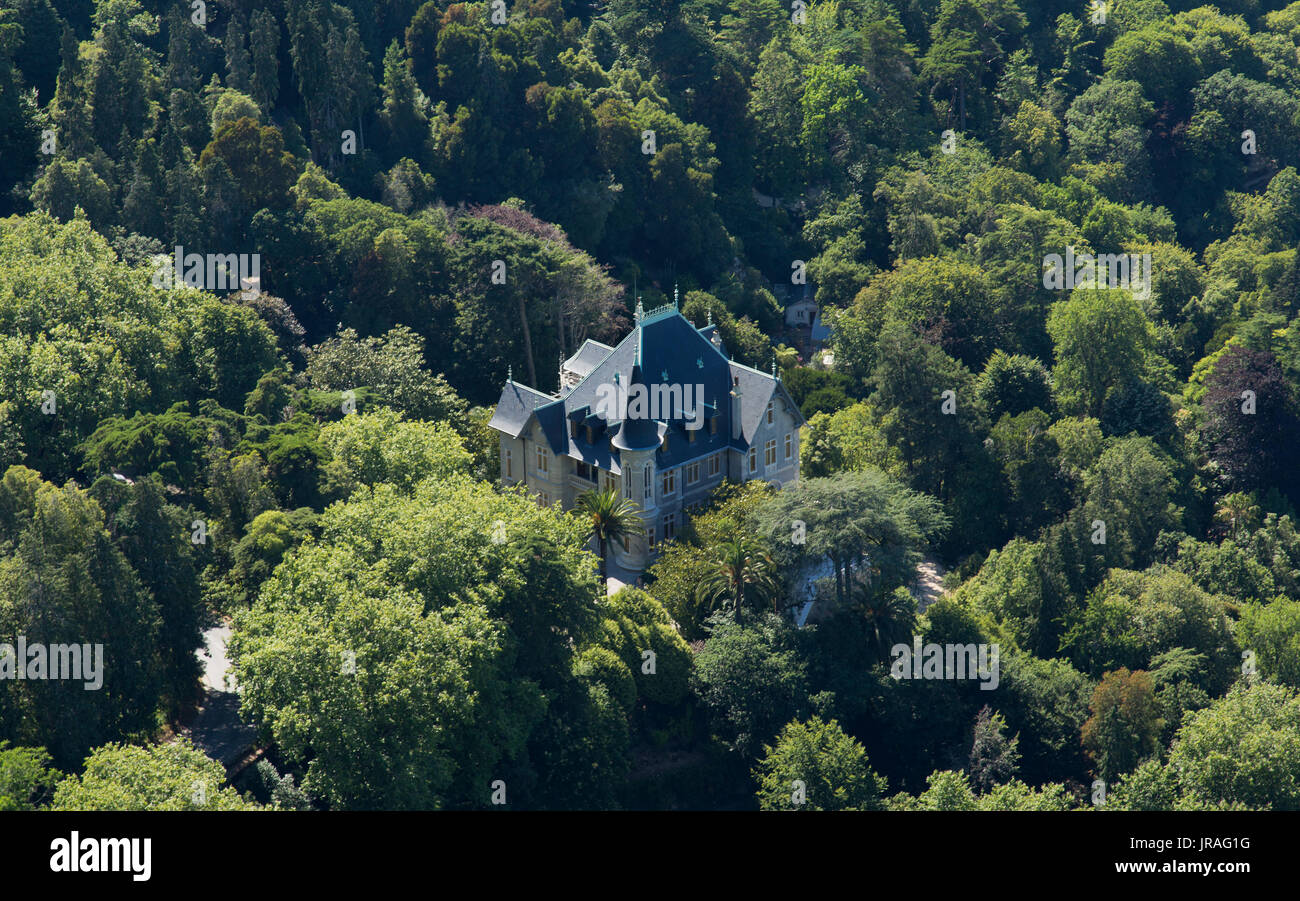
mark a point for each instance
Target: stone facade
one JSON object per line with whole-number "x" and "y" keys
{"x": 742, "y": 426}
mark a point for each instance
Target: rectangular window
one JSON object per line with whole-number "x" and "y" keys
{"x": 753, "y": 459}
{"x": 650, "y": 537}
{"x": 769, "y": 452}
{"x": 670, "y": 526}
{"x": 582, "y": 470}
{"x": 649, "y": 485}
{"x": 543, "y": 459}
{"x": 692, "y": 473}
{"x": 770, "y": 404}
{"x": 510, "y": 467}
{"x": 543, "y": 499}
{"x": 714, "y": 463}
{"x": 670, "y": 482}
{"x": 789, "y": 445}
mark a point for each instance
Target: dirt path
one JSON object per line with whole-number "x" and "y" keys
{"x": 929, "y": 583}
{"x": 218, "y": 730}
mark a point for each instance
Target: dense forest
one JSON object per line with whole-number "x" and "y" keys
{"x": 1107, "y": 477}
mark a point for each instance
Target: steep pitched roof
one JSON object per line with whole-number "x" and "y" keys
{"x": 756, "y": 390}
{"x": 516, "y": 407}
{"x": 588, "y": 357}
{"x": 639, "y": 431}
{"x": 821, "y": 332}
{"x": 672, "y": 352}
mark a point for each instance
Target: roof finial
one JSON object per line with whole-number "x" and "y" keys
{"x": 710, "y": 312}
{"x": 674, "y": 295}
{"x": 639, "y": 314}
{"x": 773, "y": 365}
{"x": 510, "y": 372}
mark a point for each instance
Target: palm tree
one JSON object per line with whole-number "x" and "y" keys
{"x": 611, "y": 517}
{"x": 742, "y": 572}
{"x": 888, "y": 617}
{"x": 1237, "y": 509}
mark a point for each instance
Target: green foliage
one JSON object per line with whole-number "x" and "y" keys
{"x": 848, "y": 518}
{"x": 610, "y": 517}
{"x": 75, "y": 322}
{"x": 1101, "y": 339}
{"x": 602, "y": 666}
{"x": 26, "y": 778}
{"x": 950, "y": 790}
{"x": 1085, "y": 463}
{"x": 156, "y": 537}
{"x": 407, "y": 613}
{"x": 751, "y": 680}
{"x": 65, "y": 582}
{"x": 269, "y": 537}
{"x": 930, "y": 415}
{"x": 1272, "y": 632}
{"x": 816, "y": 390}
{"x": 683, "y": 564}
{"x": 1243, "y": 751}
{"x": 1012, "y": 384}
{"x": 1024, "y": 445}
{"x": 1046, "y": 705}
{"x": 1133, "y": 617}
{"x": 392, "y": 367}
{"x": 284, "y": 794}
{"x": 994, "y": 757}
{"x": 379, "y": 446}
{"x": 173, "y": 776}
{"x": 740, "y": 574}
{"x": 829, "y": 767}
{"x": 1131, "y": 489}
{"x": 646, "y": 640}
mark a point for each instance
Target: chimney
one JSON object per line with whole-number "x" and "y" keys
{"x": 735, "y": 411}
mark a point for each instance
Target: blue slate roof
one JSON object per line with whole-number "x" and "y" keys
{"x": 672, "y": 352}
{"x": 821, "y": 332}
{"x": 516, "y": 407}
{"x": 588, "y": 357}
{"x": 639, "y": 432}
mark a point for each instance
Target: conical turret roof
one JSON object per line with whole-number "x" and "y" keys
{"x": 639, "y": 431}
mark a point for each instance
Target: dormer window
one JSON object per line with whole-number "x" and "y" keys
{"x": 770, "y": 405}
{"x": 591, "y": 435}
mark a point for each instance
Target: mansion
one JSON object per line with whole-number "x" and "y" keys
{"x": 662, "y": 419}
